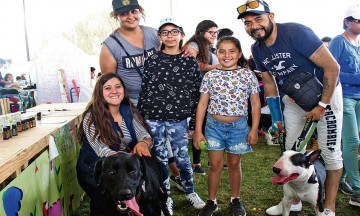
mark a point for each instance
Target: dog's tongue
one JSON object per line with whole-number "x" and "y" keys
{"x": 132, "y": 204}
{"x": 281, "y": 180}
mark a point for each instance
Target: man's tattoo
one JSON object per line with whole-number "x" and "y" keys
{"x": 326, "y": 86}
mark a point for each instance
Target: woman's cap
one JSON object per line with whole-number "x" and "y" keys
{"x": 353, "y": 11}
{"x": 122, "y": 6}
{"x": 170, "y": 20}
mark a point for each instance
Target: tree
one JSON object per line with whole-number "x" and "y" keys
{"x": 89, "y": 33}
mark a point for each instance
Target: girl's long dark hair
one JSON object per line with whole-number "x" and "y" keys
{"x": 203, "y": 43}
{"x": 6, "y": 76}
{"x": 242, "y": 62}
{"x": 100, "y": 115}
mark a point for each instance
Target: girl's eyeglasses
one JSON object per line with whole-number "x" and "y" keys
{"x": 213, "y": 33}
{"x": 251, "y": 5}
{"x": 173, "y": 32}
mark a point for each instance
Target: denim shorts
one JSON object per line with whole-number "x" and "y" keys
{"x": 231, "y": 137}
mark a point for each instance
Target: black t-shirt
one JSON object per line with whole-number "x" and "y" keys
{"x": 170, "y": 87}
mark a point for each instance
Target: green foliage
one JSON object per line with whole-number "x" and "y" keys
{"x": 257, "y": 192}
{"x": 89, "y": 33}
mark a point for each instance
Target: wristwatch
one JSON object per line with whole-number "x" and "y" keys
{"x": 323, "y": 105}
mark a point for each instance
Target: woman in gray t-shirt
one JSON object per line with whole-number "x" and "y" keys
{"x": 137, "y": 42}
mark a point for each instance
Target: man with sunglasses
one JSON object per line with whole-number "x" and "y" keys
{"x": 283, "y": 50}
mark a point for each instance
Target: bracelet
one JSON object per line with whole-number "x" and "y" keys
{"x": 148, "y": 144}
{"x": 323, "y": 105}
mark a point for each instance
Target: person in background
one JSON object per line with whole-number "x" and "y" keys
{"x": 346, "y": 50}
{"x": 23, "y": 78}
{"x": 279, "y": 50}
{"x": 137, "y": 42}
{"x": 201, "y": 44}
{"x": 1, "y": 77}
{"x": 326, "y": 40}
{"x": 20, "y": 81}
{"x": 224, "y": 93}
{"x": 98, "y": 75}
{"x": 224, "y": 32}
{"x": 9, "y": 81}
{"x": 108, "y": 116}
{"x": 92, "y": 73}
{"x": 168, "y": 97}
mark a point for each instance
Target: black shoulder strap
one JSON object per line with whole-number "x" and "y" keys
{"x": 131, "y": 59}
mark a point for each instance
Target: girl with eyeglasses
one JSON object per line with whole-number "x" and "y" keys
{"x": 125, "y": 50}
{"x": 168, "y": 97}
{"x": 201, "y": 42}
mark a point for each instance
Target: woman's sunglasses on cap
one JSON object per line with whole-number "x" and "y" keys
{"x": 252, "y": 5}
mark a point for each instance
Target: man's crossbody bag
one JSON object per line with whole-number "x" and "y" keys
{"x": 303, "y": 87}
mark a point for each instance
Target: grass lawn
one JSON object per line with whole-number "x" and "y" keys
{"x": 257, "y": 191}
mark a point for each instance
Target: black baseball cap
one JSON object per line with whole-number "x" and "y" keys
{"x": 122, "y": 6}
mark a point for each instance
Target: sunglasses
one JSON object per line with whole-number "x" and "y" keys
{"x": 251, "y": 5}
{"x": 173, "y": 32}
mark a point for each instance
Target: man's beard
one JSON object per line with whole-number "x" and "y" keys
{"x": 268, "y": 32}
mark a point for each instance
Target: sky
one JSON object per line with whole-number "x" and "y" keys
{"x": 47, "y": 18}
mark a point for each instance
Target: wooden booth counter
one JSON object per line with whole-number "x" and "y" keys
{"x": 37, "y": 167}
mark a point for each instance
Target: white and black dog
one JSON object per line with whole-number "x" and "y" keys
{"x": 303, "y": 177}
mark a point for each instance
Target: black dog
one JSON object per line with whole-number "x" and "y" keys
{"x": 131, "y": 184}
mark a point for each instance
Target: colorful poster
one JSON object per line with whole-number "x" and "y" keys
{"x": 46, "y": 187}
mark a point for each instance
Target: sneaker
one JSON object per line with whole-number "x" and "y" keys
{"x": 328, "y": 212}
{"x": 237, "y": 208}
{"x": 277, "y": 210}
{"x": 345, "y": 188}
{"x": 169, "y": 205}
{"x": 355, "y": 200}
{"x": 209, "y": 209}
{"x": 195, "y": 200}
{"x": 199, "y": 170}
{"x": 177, "y": 182}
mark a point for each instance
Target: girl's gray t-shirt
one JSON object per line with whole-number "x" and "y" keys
{"x": 125, "y": 67}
